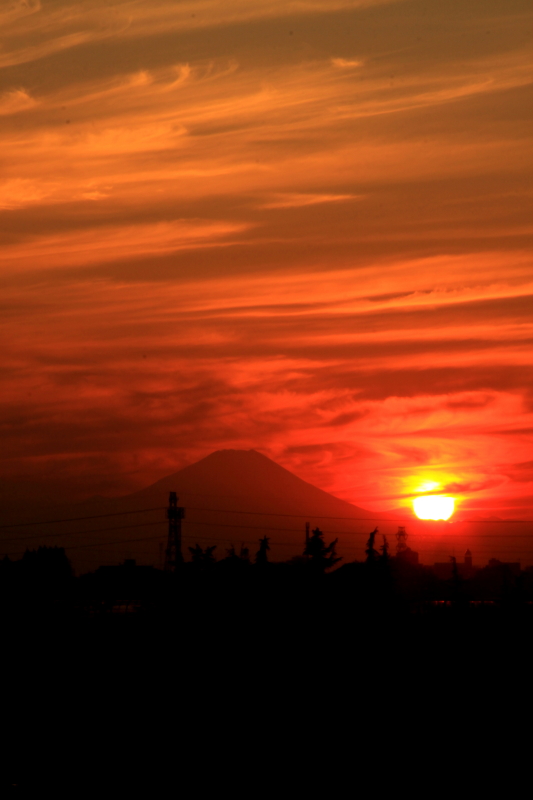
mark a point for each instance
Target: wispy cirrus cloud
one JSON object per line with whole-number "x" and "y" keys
{"x": 294, "y": 200}
{"x": 212, "y": 127}
{"x": 111, "y": 243}
{"x": 34, "y": 31}
{"x": 245, "y": 225}
{"x": 15, "y": 101}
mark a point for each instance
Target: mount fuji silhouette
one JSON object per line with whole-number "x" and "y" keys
{"x": 230, "y": 497}
{"x": 246, "y": 480}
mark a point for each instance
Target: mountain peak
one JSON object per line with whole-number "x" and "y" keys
{"x": 228, "y": 496}
{"x": 248, "y": 480}
{"x": 231, "y": 452}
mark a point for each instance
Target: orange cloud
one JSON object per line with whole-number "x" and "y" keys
{"x": 15, "y": 101}
{"x": 108, "y": 244}
{"x": 298, "y": 200}
{"x": 300, "y": 227}
{"x": 69, "y": 26}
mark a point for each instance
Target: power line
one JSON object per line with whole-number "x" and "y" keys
{"x": 294, "y": 516}
{"x": 348, "y": 533}
{"x": 358, "y": 519}
{"x": 375, "y": 519}
{"x": 81, "y": 533}
{"x": 488, "y": 521}
{"x": 423, "y": 537}
{"x": 96, "y": 544}
{"x": 80, "y": 519}
{"x": 191, "y": 537}
{"x": 194, "y": 508}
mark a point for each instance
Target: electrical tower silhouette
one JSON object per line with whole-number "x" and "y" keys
{"x": 173, "y": 554}
{"x": 401, "y": 540}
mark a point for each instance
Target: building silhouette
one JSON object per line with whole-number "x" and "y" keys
{"x": 466, "y": 569}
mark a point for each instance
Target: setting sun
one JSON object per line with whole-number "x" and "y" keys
{"x": 434, "y": 507}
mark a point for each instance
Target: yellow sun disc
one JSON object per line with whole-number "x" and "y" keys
{"x": 434, "y": 507}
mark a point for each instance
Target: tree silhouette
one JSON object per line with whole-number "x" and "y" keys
{"x": 456, "y": 578}
{"x": 243, "y": 557}
{"x": 261, "y": 557}
{"x": 322, "y": 556}
{"x": 44, "y": 577}
{"x": 202, "y": 558}
{"x": 47, "y": 563}
{"x": 384, "y": 550}
{"x": 371, "y": 553}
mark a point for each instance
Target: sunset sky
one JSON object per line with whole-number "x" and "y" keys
{"x": 302, "y": 227}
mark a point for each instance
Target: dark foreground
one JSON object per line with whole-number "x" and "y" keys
{"x": 222, "y": 664}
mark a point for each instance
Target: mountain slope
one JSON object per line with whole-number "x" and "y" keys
{"x": 246, "y": 480}
{"x": 230, "y": 497}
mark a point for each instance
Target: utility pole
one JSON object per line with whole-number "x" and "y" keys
{"x": 173, "y": 554}
{"x": 307, "y": 529}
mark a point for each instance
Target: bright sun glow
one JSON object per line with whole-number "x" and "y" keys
{"x": 434, "y": 507}
{"x": 427, "y": 486}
